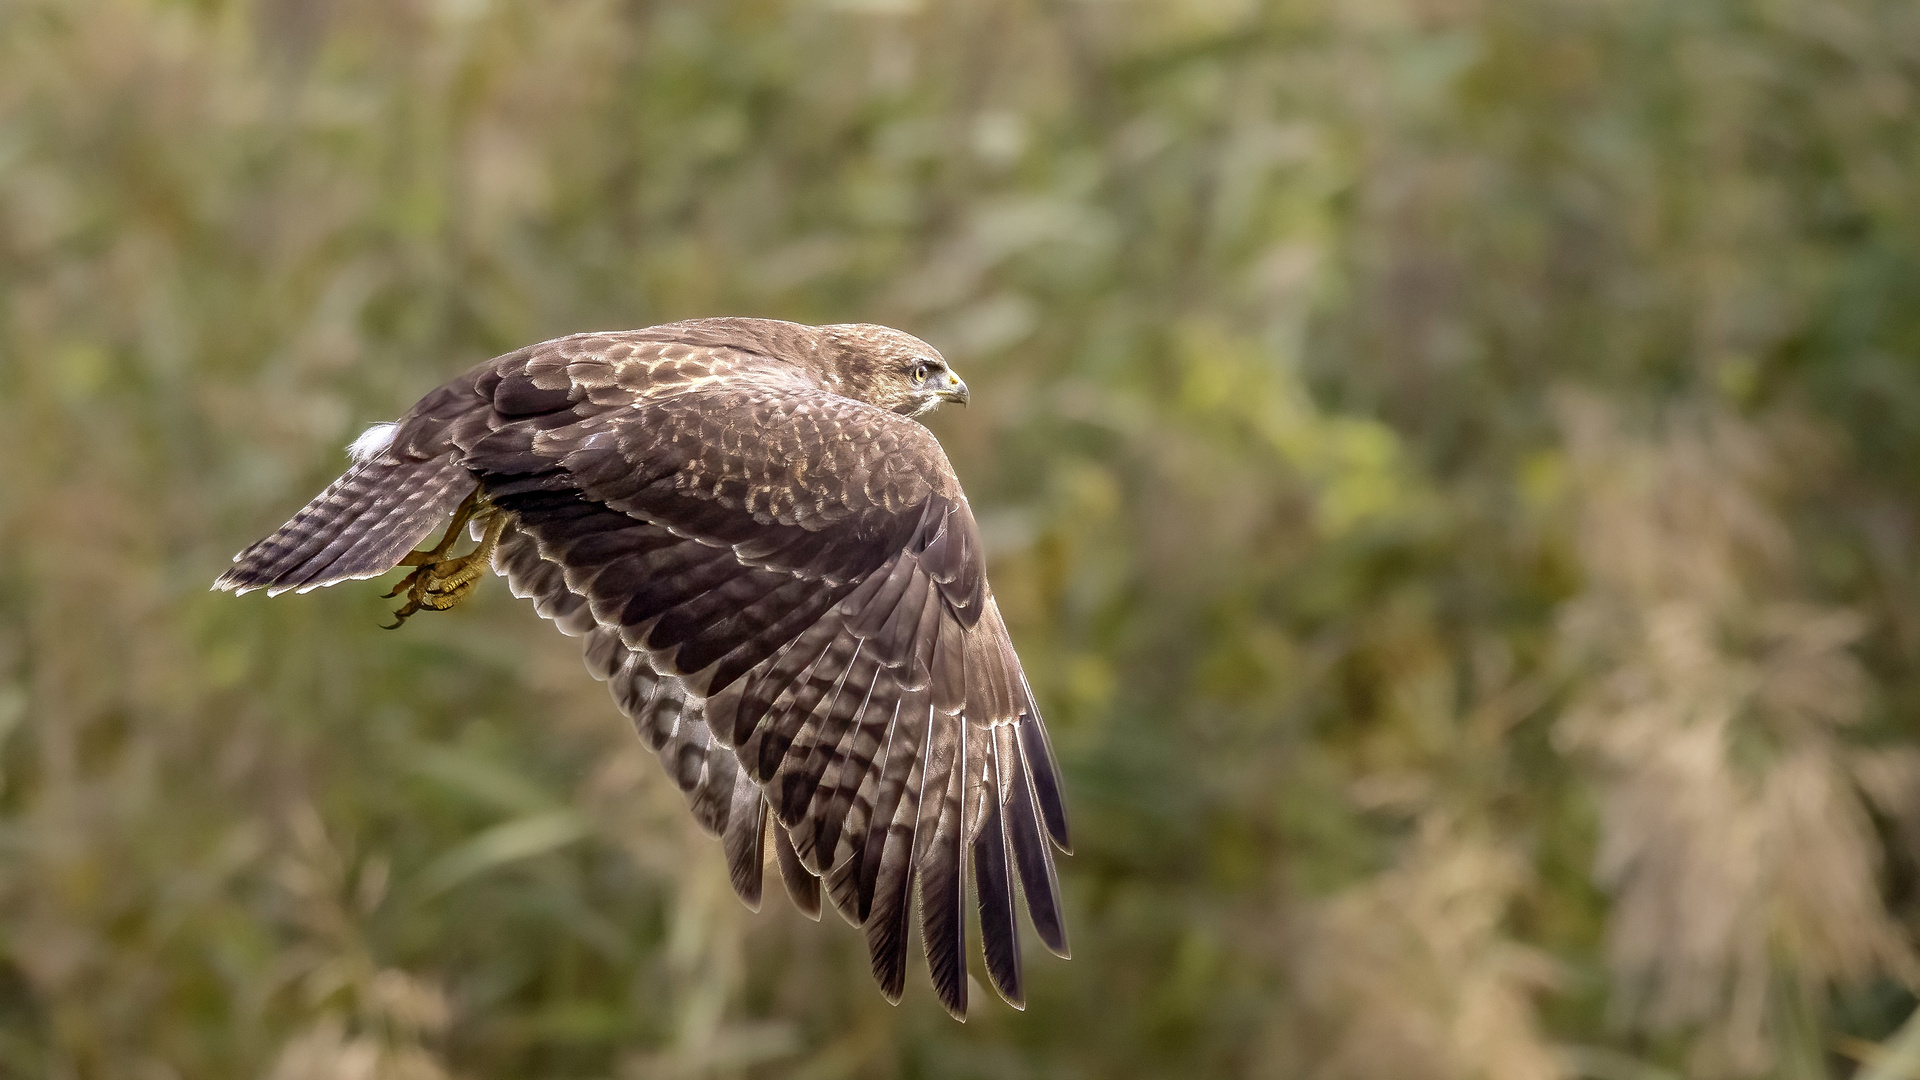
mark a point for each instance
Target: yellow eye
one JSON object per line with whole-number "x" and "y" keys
{"x": 921, "y": 371}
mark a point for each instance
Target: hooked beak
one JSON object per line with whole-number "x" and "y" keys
{"x": 954, "y": 390}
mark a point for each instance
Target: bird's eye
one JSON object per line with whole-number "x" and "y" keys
{"x": 922, "y": 370}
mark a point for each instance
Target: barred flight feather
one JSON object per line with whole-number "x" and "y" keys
{"x": 774, "y": 570}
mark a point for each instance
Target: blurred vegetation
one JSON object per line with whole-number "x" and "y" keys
{"x": 1450, "y": 467}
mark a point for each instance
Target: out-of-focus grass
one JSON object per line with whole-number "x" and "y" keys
{"x": 1450, "y": 469}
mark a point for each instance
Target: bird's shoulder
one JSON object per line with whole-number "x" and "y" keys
{"x": 715, "y": 405}
{"x": 623, "y": 367}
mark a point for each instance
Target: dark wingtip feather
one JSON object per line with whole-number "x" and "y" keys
{"x": 744, "y": 838}
{"x": 887, "y": 878}
{"x": 887, "y": 931}
{"x": 1037, "y": 749}
{"x": 943, "y": 926}
{"x": 993, "y": 888}
{"x": 887, "y": 950}
{"x": 802, "y": 887}
{"x": 1032, "y": 857}
{"x": 843, "y": 888}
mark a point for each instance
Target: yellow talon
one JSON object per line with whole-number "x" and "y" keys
{"x": 440, "y": 581}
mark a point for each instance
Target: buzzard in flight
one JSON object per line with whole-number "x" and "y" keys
{"x": 775, "y": 571}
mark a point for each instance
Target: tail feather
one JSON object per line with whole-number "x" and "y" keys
{"x": 360, "y": 527}
{"x": 373, "y": 542}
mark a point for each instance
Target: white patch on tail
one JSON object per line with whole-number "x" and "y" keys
{"x": 372, "y": 442}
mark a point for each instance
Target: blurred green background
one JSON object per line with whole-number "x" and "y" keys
{"x": 1450, "y": 467}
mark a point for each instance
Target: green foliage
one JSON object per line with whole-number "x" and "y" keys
{"x": 1450, "y": 468}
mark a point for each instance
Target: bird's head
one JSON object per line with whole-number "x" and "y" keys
{"x": 882, "y": 366}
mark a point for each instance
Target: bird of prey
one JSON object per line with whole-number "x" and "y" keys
{"x": 772, "y": 565}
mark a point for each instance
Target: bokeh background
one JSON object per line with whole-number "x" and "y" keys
{"x": 1450, "y": 467}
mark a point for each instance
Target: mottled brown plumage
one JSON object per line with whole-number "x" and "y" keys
{"x": 775, "y": 571}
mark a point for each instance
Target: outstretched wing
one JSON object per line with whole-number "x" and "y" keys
{"x": 803, "y": 573}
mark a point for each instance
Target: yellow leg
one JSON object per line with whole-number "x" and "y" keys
{"x": 461, "y": 515}
{"x": 441, "y": 581}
